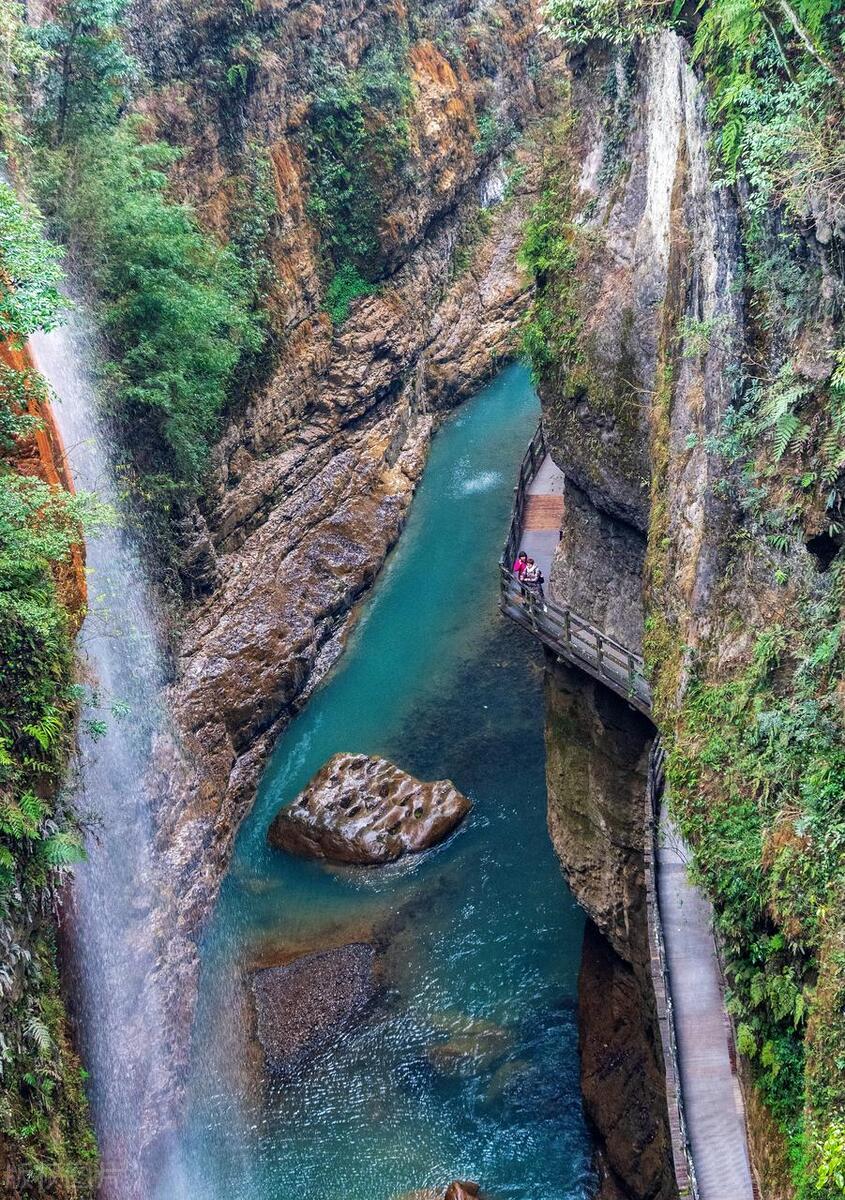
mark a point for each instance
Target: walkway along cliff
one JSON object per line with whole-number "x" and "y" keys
{"x": 696, "y": 534}
{"x": 704, "y": 1105}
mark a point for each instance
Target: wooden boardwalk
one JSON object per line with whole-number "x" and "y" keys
{"x": 706, "y": 1109}
{"x": 535, "y": 528}
{"x": 712, "y": 1098}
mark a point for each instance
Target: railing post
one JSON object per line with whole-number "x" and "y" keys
{"x": 567, "y": 630}
{"x": 533, "y": 459}
{"x": 599, "y": 663}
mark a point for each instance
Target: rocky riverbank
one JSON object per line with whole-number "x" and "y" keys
{"x": 314, "y": 473}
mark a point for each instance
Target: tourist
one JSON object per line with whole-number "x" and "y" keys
{"x": 520, "y": 564}
{"x": 532, "y": 579}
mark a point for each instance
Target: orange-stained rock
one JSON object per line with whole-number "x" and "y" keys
{"x": 42, "y": 454}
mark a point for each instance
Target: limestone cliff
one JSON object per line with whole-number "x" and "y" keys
{"x": 666, "y": 352}
{"x": 597, "y": 750}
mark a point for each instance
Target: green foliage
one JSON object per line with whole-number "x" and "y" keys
{"x": 29, "y": 283}
{"x": 173, "y": 305}
{"x": 85, "y": 72}
{"x": 830, "y": 1172}
{"x": 251, "y": 221}
{"x": 356, "y": 139}
{"x": 549, "y": 254}
{"x": 769, "y": 67}
{"x": 346, "y": 285}
{"x": 617, "y": 22}
{"x": 488, "y": 134}
{"x": 21, "y": 61}
{"x": 45, "y": 1139}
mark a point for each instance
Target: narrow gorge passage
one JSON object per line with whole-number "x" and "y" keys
{"x": 477, "y": 942}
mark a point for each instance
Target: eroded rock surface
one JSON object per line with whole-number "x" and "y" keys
{"x": 597, "y": 750}
{"x": 462, "y": 1189}
{"x": 366, "y": 810}
{"x": 298, "y": 1005}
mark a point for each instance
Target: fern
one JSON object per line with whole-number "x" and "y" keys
{"x": 785, "y": 431}
{"x": 32, "y": 809}
{"x": 39, "y": 1035}
{"x": 21, "y": 819}
{"x": 62, "y": 850}
{"x": 47, "y": 729}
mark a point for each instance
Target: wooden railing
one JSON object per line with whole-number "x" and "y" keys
{"x": 532, "y": 460}
{"x": 557, "y": 625}
{"x": 681, "y": 1150}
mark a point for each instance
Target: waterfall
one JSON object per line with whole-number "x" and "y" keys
{"x": 112, "y": 895}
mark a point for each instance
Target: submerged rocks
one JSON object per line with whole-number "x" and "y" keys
{"x": 471, "y": 1050}
{"x": 365, "y": 810}
{"x": 297, "y": 1005}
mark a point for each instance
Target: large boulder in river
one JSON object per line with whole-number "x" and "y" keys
{"x": 365, "y": 810}
{"x": 298, "y": 1005}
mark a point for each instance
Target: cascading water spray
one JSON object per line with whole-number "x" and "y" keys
{"x": 112, "y": 893}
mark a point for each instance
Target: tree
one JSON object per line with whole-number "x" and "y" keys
{"x": 88, "y": 71}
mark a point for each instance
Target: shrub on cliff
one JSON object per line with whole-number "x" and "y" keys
{"x": 357, "y": 135}
{"x": 173, "y": 305}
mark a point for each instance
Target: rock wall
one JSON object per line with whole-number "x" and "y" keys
{"x": 659, "y": 252}
{"x": 597, "y": 759}
{"x": 668, "y": 341}
{"x": 657, "y": 248}
{"x": 598, "y": 568}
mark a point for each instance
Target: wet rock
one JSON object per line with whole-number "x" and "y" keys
{"x": 366, "y": 811}
{"x": 457, "y": 1190}
{"x": 462, "y": 1189}
{"x": 621, "y": 1077}
{"x": 298, "y": 1005}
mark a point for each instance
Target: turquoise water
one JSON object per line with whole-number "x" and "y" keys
{"x": 479, "y": 929}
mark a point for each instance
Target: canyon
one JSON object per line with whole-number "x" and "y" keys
{"x": 519, "y": 196}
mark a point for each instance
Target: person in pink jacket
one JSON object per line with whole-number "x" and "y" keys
{"x": 520, "y": 565}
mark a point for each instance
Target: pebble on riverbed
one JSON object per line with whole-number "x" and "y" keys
{"x": 299, "y": 1004}
{"x": 367, "y": 811}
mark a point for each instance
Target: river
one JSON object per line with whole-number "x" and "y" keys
{"x": 481, "y": 929}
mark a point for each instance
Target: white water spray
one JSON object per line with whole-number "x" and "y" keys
{"x": 112, "y": 894}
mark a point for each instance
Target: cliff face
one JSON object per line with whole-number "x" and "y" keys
{"x": 317, "y": 465}
{"x": 657, "y": 253}
{"x": 655, "y": 402}
{"x": 42, "y": 454}
{"x": 46, "y": 1148}
{"x": 596, "y": 752}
